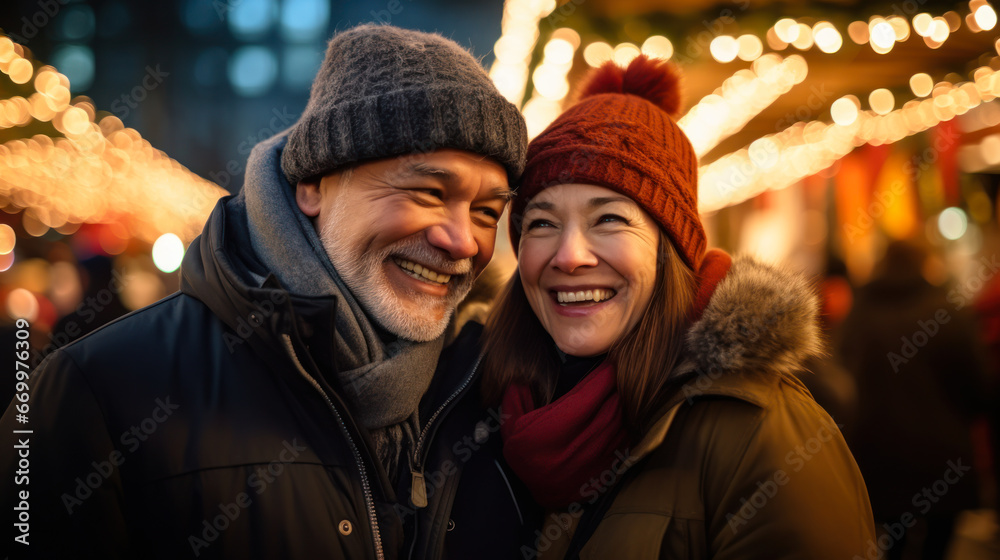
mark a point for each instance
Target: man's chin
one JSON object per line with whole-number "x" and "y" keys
{"x": 413, "y": 317}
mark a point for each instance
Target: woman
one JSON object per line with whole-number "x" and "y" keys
{"x": 649, "y": 386}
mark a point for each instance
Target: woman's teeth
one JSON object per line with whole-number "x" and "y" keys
{"x": 421, "y": 273}
{"x": 595, "y": 296}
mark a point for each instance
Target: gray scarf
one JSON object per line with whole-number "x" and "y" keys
{"x": 383, "y": 380}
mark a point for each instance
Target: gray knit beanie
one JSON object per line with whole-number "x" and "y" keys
{"x": 384, "y": 92}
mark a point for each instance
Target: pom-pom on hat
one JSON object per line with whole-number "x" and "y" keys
{"x": 621, "y": 134}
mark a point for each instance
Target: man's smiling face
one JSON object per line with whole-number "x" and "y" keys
{"x": 409, "y": 235}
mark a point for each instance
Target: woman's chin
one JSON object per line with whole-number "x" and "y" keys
{"x": 583, "y": 349}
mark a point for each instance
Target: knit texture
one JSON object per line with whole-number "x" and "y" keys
{"x": 625, "y": 142}
{"x": 384, "y": 92}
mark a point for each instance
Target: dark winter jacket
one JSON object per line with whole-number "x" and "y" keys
{"x": 742, "y": 463}
{"x": 208, "y": 425}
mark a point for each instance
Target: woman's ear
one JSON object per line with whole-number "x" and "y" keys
{"x": 309, "y": 197}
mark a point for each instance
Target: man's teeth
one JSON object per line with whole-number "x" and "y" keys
{"x": 597, "y": 295}
{"x": 423, "y": 273}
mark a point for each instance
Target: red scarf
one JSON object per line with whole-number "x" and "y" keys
{"x": 560, "y": 450}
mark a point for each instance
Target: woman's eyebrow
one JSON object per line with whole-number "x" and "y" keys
{"x": 601, "y": 201}
{"x": 539, "y": 206}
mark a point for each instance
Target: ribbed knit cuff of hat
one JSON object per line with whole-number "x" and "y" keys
{"x": 399, "y": 123}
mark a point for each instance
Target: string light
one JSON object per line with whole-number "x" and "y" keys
{"x": 985, "y": 17}
{"x": 97, "y": 171}
{"x": 550, "y": 80}
{"x": 742, "y": 96}
{"x": 881, "y": 101}
{"x": 518, "y": 36}
{"x": 803, "y": 149}
{"x": 660, "y": 47}
{"x": 598, "y": 53}
{"x": 827, "y": 38}
{"x": 750, "y": 48}
{"x": 921, "y": 84}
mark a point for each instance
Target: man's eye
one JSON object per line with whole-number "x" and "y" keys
{"x": 491, "y": 213}
{"x": 436, "y": 193}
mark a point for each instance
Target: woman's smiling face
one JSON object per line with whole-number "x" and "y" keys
{"x": 587, "y": 261}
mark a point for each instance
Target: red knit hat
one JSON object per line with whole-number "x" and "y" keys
{"x": 621, "y": 135}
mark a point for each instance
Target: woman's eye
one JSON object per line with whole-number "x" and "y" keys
{"x": 538, "y": 224}
{"x": 610, "y": 218}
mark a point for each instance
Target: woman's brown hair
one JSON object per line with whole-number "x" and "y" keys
{"x": 519, "y": 350}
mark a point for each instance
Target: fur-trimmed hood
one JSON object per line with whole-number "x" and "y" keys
{"x": 760, "y": 318}
{"x": 756, "y": 332}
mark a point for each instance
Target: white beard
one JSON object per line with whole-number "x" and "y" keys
{"x": 364, "y": 275}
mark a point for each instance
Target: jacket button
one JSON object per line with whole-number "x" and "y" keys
{"x": 481, "y": 433}
{"x": 451, "y": 524}
{"x": 345, "y": 527}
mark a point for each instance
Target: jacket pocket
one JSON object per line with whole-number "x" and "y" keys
{"x": 632, "y": 536}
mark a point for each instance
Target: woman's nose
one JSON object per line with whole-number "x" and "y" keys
{"x": 574, "y": 252}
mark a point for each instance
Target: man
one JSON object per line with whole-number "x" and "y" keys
{"x": 293, "y": 399}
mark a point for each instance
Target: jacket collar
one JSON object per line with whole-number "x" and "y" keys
{"x": 759, "y": 327}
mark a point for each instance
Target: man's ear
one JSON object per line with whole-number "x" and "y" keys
{"x": 309, "y": 197}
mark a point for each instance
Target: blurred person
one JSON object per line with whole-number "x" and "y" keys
{"x": 295, "y": 399}
{"x": 654, "y": 408}
{"x": 100, "y": 303}
{"x": 824, "y": 375}
{"x": 920, "y": 380}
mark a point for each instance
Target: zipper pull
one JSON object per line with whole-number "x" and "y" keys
{"x": 418, "y": 490}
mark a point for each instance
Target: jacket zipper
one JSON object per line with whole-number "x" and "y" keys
{"x": 418, "y": 489}
{"x": 365, "y": 484}
{"x": 417, "y": 455}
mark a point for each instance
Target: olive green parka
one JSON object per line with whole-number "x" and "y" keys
{"x": 742, "y": 462}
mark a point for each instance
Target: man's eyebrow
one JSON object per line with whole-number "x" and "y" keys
{"x": 539, "y": 205}
{"x": 425, "y": 170}
{"x": 503, "y": 193}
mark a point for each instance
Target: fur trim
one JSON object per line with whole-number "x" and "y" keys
{"x": 760, "y": 319}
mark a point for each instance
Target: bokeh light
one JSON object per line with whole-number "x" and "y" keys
{"x": 168, "y": 252}
{"x": 952, "y": 223}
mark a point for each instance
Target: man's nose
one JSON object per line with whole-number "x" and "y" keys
{"x": 574, "y": 252}
{"x": 454, "y": 236}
